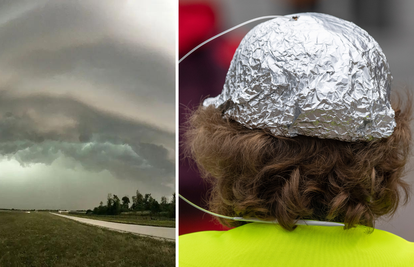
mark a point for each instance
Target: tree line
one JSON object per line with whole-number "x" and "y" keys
{"x": 139, "y": 202}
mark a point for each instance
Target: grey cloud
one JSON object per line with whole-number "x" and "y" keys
{"x": 48, "y": 18}
{"x": 23, "y": 117}
{"x": 90, "y": 46}
{"x": 87, "y": 87}
{"x": 128, "y": 149}
{"x": 107, "y": 62}
{"x": 65, "y": 42}
{"x": 120, "y": 160}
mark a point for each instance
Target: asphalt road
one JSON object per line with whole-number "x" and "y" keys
{"x": 159, "y": 232}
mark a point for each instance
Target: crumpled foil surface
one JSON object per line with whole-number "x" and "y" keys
{"x": 309, "y": 74}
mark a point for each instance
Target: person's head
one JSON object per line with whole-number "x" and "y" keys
{"x": 304, "y": 128}
{"x": 256, "y": 174}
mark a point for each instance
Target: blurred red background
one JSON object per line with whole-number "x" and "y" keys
{"x": 200, "y": 75}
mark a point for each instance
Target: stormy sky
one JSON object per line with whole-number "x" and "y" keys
{"x": 86, "y": 101}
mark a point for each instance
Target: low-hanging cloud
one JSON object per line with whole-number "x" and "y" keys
{"x": 38, "y": 129}
{"x": 89, "y": 84}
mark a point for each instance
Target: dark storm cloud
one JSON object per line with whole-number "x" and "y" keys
{"x": 87, "y": 95}
{"x": 63, "y": 118}
{"x": 33, "y": 130}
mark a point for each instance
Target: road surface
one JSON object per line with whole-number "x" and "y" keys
{"x": 160, "y": 232}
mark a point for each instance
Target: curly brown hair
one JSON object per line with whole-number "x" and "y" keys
{"x": 255, "y": 174}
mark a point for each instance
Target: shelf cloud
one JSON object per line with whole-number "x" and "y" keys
{"x": 87, "y": 87}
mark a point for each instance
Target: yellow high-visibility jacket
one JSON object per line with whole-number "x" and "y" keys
{"x": 258, "y": 244}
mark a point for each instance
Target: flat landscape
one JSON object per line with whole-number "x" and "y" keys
{"x": 43, "y": 239}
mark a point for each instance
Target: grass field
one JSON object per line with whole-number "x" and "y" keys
{"x": 129, "y": 219}
{"x": 43, "y": 239}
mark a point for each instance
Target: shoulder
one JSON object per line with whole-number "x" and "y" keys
{"x": 307, "y": 245}
{"x": 195, "y": 249}
{"x": 199, "y": 239}
{"x": 399, "y": 250}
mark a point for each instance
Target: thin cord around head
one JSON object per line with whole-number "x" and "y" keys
{"x": 299, "y": 222}
{"x": 204, "y": 210}
{"x": 226, "y": 31}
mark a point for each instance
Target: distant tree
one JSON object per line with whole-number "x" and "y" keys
{"x": 125, "y": 203}
{"x": 101, "y": 210}
{"x": 134, "y": 203}
{"x": 154, "y": 206}
{"x": 115, "y": 209}
{"x": 147, "y": 202}
{"x": 164, "y": 204}
{"x": 171, "y": 211}
{"x": 139, "y": 201}
{"x": 109, "y": 202}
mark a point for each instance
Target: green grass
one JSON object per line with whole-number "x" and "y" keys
{"x": 129, "y": 219}
{"x": 43, "y": 239}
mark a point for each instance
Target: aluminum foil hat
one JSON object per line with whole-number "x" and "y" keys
{"x": 309, "y": 74}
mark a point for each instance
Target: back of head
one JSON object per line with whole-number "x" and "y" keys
{"x": 256, "y": 174}
{"x": 304, "y": 127}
